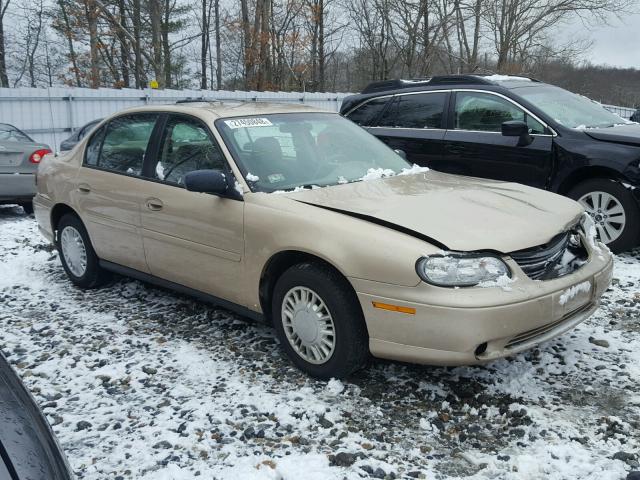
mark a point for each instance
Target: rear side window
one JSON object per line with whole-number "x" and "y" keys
{"x": 93, "y": 148}
{"x": 367, "y": 114}
{"x": 422, "y": 110}
{"x": 122, "y": 144}
{"x": 486, "y": 112}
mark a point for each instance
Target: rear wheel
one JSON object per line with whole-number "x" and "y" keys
{"x": 319, "y": 321}
{"x": 78, "y": 258}
{"x": 613, "y": 209}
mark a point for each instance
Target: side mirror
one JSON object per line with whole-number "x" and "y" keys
{"x": 207, "y": 181}
{"x": 402, "y": 153}
{"x": 516, "y": 128}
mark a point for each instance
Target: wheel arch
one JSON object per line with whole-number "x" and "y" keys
{"x": 277, "y": 264}
{"x": 57, "y": 212}
{"x": 588, "y": 173}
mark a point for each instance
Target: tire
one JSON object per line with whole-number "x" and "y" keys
{"x": 617, "y": 237}
{"x": 27, "y": 207}
{"x": 87, "y": 274}
{"x": 350, "y": 339}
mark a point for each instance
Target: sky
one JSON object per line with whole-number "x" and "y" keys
{"x": 616, "y": 44}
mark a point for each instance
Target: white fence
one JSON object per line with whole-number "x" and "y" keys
{"x": 623, "y": 112}
{"x": 50, "y": 115}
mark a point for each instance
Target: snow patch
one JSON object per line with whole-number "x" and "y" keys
{"x": 506, "y": 78}
{"x": 503, "y": 281}
{"x": 252, "y": 178}
{"x": 377, "y": 173}
{"x": 238, "y": 187}
{"x": 574, "y": 291}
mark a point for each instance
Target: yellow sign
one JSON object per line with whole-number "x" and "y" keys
{"x": 153, "y": 84}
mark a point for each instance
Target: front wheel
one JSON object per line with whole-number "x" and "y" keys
{"x": 319, "y": 321}
{"x": 78, "y": 258}
{"x": 613, "y": 209}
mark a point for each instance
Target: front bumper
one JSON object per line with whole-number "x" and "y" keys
{"x": 473, "y": 325}
{"x": 17, "y": 187}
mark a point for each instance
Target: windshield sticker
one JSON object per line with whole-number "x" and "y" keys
{"x": 248, "y": 122}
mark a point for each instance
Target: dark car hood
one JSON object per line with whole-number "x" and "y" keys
{"x": 29, "y": 449}
{"x": 627, "y": 134}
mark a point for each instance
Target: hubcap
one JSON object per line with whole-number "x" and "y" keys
{"x": 607, "y": 212}
{"x": 73, "y": 250}
{"x": 308, "y": 325}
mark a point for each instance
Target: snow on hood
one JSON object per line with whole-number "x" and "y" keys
{"x": 624, "y": 133}
{"x": 462, "y": 213}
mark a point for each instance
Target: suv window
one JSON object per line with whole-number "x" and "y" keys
{"x": 486, "y": 112}
{"x": 367, "y": 114}
{"x": 186, "y": 146}
{"x": 423, "y": 110}
{"x": 121, "y": 145}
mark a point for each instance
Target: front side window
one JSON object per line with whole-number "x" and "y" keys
{"x": 367, "y": 114}
{"x": 123, "y": 142}
{"x": 486, "y": 113}
{"x": 422, "y": 110}
{"x": 305, "y": 150}
{"x": 186, "y": 146}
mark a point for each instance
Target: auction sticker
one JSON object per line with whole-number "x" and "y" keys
{"x": 248, "y": 122}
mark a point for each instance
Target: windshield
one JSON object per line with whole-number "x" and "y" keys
{"x": 570, "y": 109}
{"x": 9, "y": 133}
{"x": 305, "y": 150}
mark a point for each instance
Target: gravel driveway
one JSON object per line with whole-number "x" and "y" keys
{"x": 142, "y": 383}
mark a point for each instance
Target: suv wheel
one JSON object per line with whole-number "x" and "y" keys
{"x": 319, "y": 321}
{"x": 613, "y": 209}
{"x": 78, "y": 258}
{"x": 27, "y": 207}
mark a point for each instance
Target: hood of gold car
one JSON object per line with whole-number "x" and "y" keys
{"x": 459, "y": 213}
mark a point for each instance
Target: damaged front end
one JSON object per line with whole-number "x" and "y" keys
{"x": 563, "y": 255}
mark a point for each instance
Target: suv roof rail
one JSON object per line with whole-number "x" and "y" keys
{"x": 195, "y": 100}
{"x": 398, "y": 84}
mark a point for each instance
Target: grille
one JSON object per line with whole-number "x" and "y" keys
{"x": 537, "y": 332}
{"x": 563, "y": 255}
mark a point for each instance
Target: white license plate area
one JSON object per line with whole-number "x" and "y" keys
{"x": 10, "y": 159}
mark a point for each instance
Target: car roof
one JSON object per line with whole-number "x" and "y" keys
{"x": 231, "y": 108}
{"x": 448, "y": 81}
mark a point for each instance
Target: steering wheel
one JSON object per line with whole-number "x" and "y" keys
{"x": 184, "y": 160}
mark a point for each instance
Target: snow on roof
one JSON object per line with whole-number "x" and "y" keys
{"x": 506, "y": 78}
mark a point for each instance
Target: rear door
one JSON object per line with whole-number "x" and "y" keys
{"x": 474, "y": 144}
{"x": 108, "y": 187}
{"x": 194, "y": 239}
{"x": 414, "y": 122}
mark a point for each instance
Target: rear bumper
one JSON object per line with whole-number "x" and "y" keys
{"x": 459, "y": 334}
{"x": 42, "y": 209}
{"x": 17, "y": 188}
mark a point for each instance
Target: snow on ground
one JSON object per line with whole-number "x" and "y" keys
{"x": 146, "y": 384}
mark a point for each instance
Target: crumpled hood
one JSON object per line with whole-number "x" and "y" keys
{"x": 629, "y": 134}
{"x": 462, "y": 213}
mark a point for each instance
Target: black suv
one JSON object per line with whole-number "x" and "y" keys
{"x": 516, "y": 129}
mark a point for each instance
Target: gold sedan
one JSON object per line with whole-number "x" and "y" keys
{"x": 299, "y": 217}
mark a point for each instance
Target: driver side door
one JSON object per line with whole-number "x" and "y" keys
{"x": 193, "y": 239}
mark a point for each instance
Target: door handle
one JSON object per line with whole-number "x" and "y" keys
{"x": 84, "y": 188}
{"x": 154, "y": 204}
